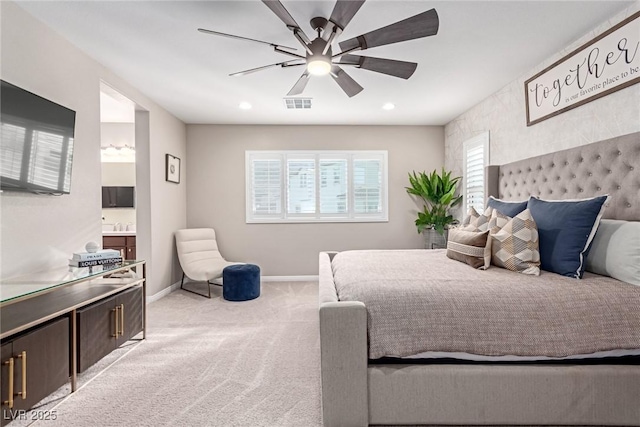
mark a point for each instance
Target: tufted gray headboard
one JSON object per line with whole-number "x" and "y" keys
{"x": 609, "y": 167}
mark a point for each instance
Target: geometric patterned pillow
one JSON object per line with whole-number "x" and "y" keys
{"x": 515, "y": 247}
{"x": 473, "y": 214}
{"x": 498, "y": 221}
{"x": 481, "y": 223}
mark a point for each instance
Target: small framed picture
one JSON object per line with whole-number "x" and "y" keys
{"x": 173, "y": 169}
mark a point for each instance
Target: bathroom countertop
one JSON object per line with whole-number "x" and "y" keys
{"x": 118, "y": 233}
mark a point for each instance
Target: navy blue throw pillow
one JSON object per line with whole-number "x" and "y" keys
{"x": 566, "y": 229}
{"x": 506, "y": 208}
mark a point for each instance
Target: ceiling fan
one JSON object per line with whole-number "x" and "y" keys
{"x": 319, "y": 57}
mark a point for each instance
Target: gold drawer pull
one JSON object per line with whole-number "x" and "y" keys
{"x": 115, "y": 310}
{"x": 121, "y": 319}
{"x": 10, "y": 401}
{"x": 23, "y": 393}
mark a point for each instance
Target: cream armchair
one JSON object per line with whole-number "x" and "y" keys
{"x": 199, "y": 257}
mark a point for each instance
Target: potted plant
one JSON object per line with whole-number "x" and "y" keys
{"x": 438, "y": 192}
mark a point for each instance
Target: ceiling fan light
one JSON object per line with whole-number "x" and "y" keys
{"x": 319, "y": 67}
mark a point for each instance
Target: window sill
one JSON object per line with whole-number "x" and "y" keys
{"x": 313, "y": 220}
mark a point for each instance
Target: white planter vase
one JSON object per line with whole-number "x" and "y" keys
{"x": 435, "y": 240}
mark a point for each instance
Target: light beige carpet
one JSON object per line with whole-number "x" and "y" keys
{"x": 210, "y": 362}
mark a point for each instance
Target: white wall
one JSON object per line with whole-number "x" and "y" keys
{"x": 117, "y": 134}
{"x": 40, "y": 232}
{"x": 216, "y": 191}
{"x": 503, "y": 115}
{"x": 119, "y": 174}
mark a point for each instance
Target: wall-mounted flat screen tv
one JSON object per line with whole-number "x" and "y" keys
{"x": 118, "y": 197}
{"x": 37, "y": 142}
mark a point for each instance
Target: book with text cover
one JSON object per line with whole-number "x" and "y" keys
{"x": 101, "y": 254}
{"x": 94, "y": 262}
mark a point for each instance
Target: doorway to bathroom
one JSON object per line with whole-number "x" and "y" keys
{"x": 118, "y": 160}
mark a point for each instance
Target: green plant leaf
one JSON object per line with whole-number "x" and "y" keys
{"x": 438, "y": 192}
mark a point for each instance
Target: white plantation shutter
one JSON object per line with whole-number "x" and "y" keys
{"x": 367, "y": 186}
{"x": 322, "y": 186}
{"x": 333, "y": 186}
{"x": 301, "y": 186}
{"x": 266, "y": 188}
{"x": 476, "y": 157}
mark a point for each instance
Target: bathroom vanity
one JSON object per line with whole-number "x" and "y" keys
{"x": 123, "y": 241}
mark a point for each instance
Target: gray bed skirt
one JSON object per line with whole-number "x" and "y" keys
{"x": 355, "y": 393}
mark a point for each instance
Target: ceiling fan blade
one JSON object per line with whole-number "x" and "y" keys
{"x": 391, "y": 67}
{"x": 298, "y": 88}
{"x": 282, "y": 13}
{"x": 218, "y": 33}
{"x": 422, "y": 25}
{"x": 264, "y": 67}
{"x": 344, "y": 11}
{"x": 344, "y": 80}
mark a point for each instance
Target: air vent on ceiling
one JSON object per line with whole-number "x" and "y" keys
{"x": 297, "y": 103}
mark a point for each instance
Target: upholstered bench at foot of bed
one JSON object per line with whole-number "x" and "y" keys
{"x": 241, "y": 282}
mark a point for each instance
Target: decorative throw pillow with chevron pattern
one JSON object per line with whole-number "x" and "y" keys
{"x": 498, "y": 221}
{"x": 472, "y": 214}
{"x": 515, "y": 245}
{"x": 479, "y": 223}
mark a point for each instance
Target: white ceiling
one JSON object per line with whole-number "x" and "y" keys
{"x": 481, "y": 46}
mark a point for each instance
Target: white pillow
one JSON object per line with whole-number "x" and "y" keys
{"x": 615, "y": 251}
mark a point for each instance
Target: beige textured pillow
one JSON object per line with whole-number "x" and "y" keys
{"x": 470, "y": 247}
{"x": 480, "y": 223}
{"x": 515, "y": 246}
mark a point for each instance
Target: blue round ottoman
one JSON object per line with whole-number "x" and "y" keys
{"x": 241, "y": 282}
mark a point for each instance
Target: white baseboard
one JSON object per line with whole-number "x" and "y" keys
{"x": 289, "y": 278}
{"x": 166, "y": 291}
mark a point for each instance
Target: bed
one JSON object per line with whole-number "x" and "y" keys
{"x": 370, "y": 380}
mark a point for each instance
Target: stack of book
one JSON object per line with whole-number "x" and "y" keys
{"x": 106, "y": 257}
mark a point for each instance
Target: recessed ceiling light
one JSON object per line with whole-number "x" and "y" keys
{"x": 388, "y": 106}
{"x": 244, "y": 106}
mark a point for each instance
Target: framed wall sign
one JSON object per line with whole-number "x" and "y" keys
{"x": 608, "y": 63}
{"x": 173, "y": 168}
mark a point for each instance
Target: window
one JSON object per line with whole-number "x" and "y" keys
{"x": 476, "y": 157}
{"x": 316, "y": 186}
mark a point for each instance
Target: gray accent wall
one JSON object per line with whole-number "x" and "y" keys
{"x": 503, "y": 115}
{"x": 216, "y": 191}
{"x": 41, "y": 232}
